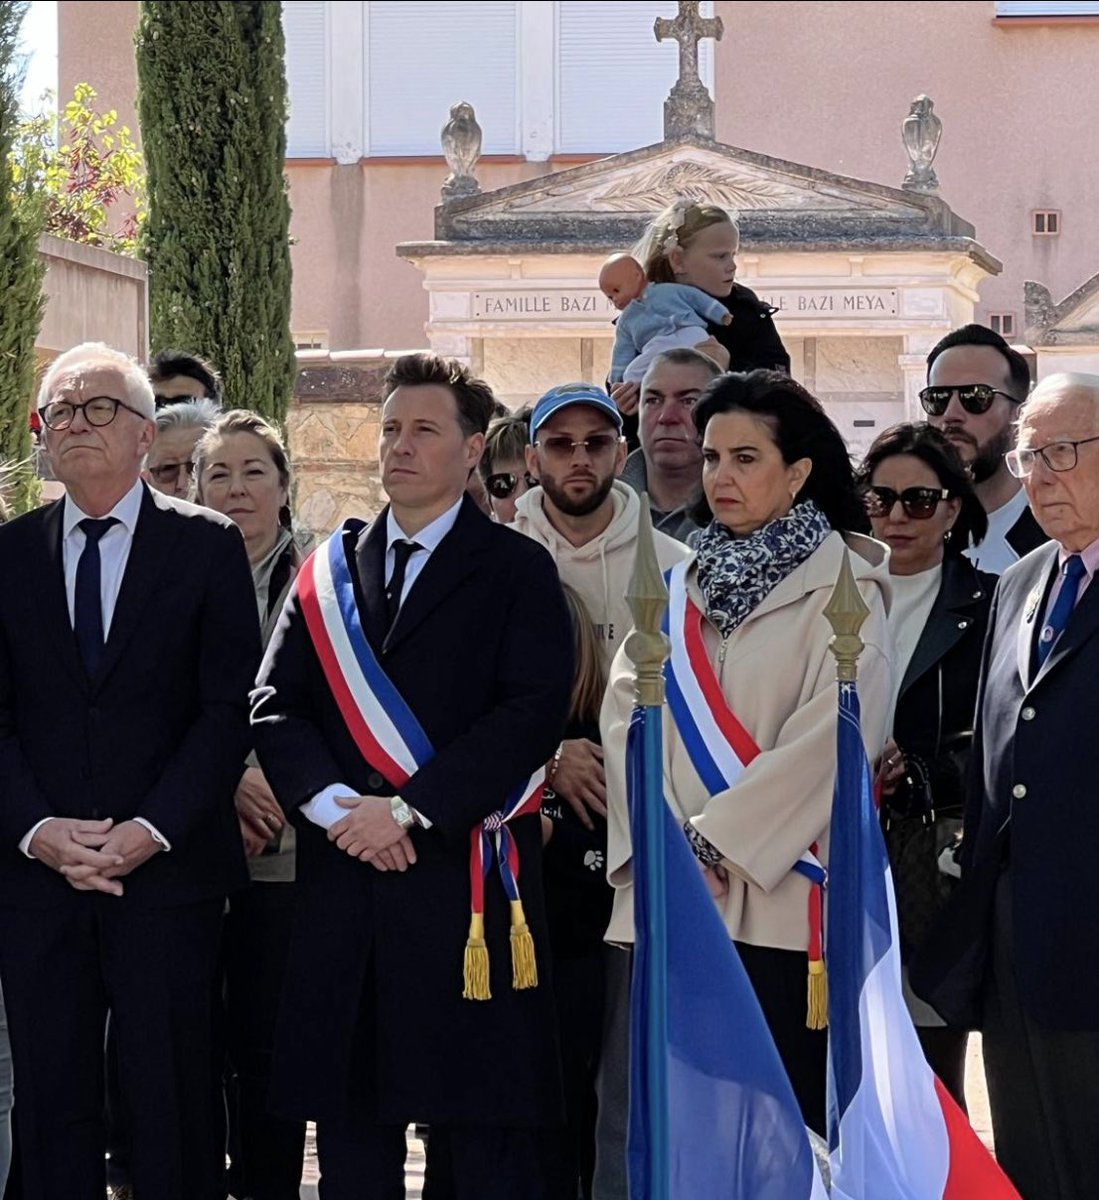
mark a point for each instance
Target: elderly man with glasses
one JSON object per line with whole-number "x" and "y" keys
{"x": 1021, "y": 961}
{"x": 123, "y": 723}
{"x": 170, "y": 463}
{"x": 975, "y": 384}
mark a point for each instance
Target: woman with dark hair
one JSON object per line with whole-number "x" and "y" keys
{"x": 921, "y": 503}
{"x": 747, "y": 624}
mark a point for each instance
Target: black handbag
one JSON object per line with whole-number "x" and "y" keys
{"x": 915, "y": 838}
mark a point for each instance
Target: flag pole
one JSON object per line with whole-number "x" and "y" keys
{"x": 647, "y": 648}
{"x": 846, "y": 610}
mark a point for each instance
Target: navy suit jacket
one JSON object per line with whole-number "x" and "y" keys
{"x": 1036, "y": 793}
{"x": 482, "y": 653}
{"x": 160, "y": 732}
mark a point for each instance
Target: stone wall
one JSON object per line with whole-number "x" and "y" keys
{"x": 333, "y": 427}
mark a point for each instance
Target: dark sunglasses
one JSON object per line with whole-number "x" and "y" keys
{"x": 975, "y": 398}
{"x": 919, "y": 503}
{"x": 500, "y": 487}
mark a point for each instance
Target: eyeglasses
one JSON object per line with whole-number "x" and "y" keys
{"x": 1058, "y": 456}
{"x": 98, "y": 411}
{"x": 501, "y": 486}
{"x": 169, "y": 472}
{"x": 918, "y": 503}
{"x": 975, "y": 398}
{"x": 564, "y": 447}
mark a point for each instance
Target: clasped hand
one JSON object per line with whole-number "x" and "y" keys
{"x": 370, "y": 834}
{"x": 93, "y": 856}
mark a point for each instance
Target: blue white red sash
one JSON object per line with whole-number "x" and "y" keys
{"x": 391, "y": 739}
{"x": 718, "y": 745}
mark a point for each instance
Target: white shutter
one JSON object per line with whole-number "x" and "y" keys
{"x": 423, "y": 57}
{"x": 305, "y": 27}
{"x": 1073, "y": 8}
{"x": 613, "y": 75}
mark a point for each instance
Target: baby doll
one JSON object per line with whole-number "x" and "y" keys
{"x": 655, "y": 316}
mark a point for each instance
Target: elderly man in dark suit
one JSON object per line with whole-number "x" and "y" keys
{"x": 128, "y": 639}
{"x": 465, "y": 623}
{"x": 1032, "y": 824}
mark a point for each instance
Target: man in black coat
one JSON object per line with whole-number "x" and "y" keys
{"x": 1032, "y": 824}
{"x": 468, "y": 621}
{"x": 128, "y": 638}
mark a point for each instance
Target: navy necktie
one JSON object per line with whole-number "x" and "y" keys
{"x": 87, "y": 602}
{"x": 402, "y": 552}
{"x": 1073, "y": 571}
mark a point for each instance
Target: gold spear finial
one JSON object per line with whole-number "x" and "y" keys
{"x": 647, "y": 596}
{"x": 846, "y": 611}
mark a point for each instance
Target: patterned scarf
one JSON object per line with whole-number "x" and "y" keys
{"x": 735, "y": 573}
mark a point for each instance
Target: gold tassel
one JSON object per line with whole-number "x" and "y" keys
{"x": 818, "y": 995}
{"x": 475, "y": 970}
{"x": 524, "y": 965}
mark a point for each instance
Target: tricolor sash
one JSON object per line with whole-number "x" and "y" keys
{"x": 391, "y": 739}
{"x": 720, "y": 748}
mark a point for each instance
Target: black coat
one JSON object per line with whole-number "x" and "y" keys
{"x": 482, "y": 653}
{"x": 162, "y": 730}
{"x": 938, "y": 695}
{"x": 1026, "y": 534}
{"x": 1033, "y": 802}
{"x": 752, "y": 339}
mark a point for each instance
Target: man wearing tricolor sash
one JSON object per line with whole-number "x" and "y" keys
{"x": 416, "y": 686}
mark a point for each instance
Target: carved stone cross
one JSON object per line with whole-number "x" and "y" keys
{"x": 689, "y": 108}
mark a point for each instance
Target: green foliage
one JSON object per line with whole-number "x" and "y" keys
{"x": 82, "y": 174}
{"x": 21, "y": 273}
{"x": 212, "y": 100}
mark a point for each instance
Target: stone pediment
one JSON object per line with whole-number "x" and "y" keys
{"x": 606, "y": 204}
{"x": 1075, "y": 321}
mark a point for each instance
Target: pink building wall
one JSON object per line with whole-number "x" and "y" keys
{"x": 826, "y": 84}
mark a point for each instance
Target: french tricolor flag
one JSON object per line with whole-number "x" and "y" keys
{"x": 894, "y": 1131}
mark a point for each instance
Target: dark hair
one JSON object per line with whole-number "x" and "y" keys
{"x": 474, "y": 398}
{"x": 930, "y": 446}
{"x": 169, "y": 363}
{"x": 981, "y": 335}
{"x": 507, "y": 437}
{"x": 801, "y": 429}
{"x": 240, "y": 420}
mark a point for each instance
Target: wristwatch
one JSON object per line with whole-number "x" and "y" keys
{"x": 402, "y": 814}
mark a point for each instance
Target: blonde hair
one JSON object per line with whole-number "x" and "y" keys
{"x": 590, "y": 680}
{"x": 241, "y": 420}
{"x": 677, "y": 225}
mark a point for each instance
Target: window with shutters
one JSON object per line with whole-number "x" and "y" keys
{"x": 1002, "y": 323}
{"x": 422, "y": 57}
{"x": 1045, "y": 222}
{"x": 613, "y": 75}
{"x": 305, "y": 27}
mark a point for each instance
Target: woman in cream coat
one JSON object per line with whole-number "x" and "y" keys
{"x": 781, "y": 493}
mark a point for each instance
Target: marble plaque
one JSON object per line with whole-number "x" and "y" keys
{"x": 843, "y": 304}
{"x": 542, "y": 304}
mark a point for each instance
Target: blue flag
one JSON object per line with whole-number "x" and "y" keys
{"x": 724, "y": 1124}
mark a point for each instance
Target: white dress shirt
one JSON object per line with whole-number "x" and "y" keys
{"x": 114, "y": 553}
{"x": 323, "y": 810}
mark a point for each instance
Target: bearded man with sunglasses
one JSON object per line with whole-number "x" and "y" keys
{"x": 123, "y": 723}
{"x": 1018, "y": 957}
{"x": 975, "y": 385}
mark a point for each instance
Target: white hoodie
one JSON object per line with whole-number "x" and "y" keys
{"x": 600, "y": 570}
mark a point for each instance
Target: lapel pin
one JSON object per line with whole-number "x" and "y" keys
{"x": 1032, "y": 603}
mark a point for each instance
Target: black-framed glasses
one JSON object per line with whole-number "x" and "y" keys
{"x": 98, "y": 411}
{"x": 975, "y": 398}
{"x": 1058, "y": 456}
{"x": 169, "y": 472}
{"x": 919, "y": 503}
{"x": 501, "y": 486}
{"x": 559, "y": 446}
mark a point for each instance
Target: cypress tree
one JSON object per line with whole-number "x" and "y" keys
{"x": 21, "y": 272}
{"x": 212, "y": 102}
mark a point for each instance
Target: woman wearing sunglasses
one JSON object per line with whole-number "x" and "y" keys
{"x": 503, "y": 467}
{"x": 921, "y": 503}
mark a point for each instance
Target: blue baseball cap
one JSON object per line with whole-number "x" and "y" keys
{"x": 568, "y": 394}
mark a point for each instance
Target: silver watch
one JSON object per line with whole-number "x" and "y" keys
{"x": 402, "y": 814}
